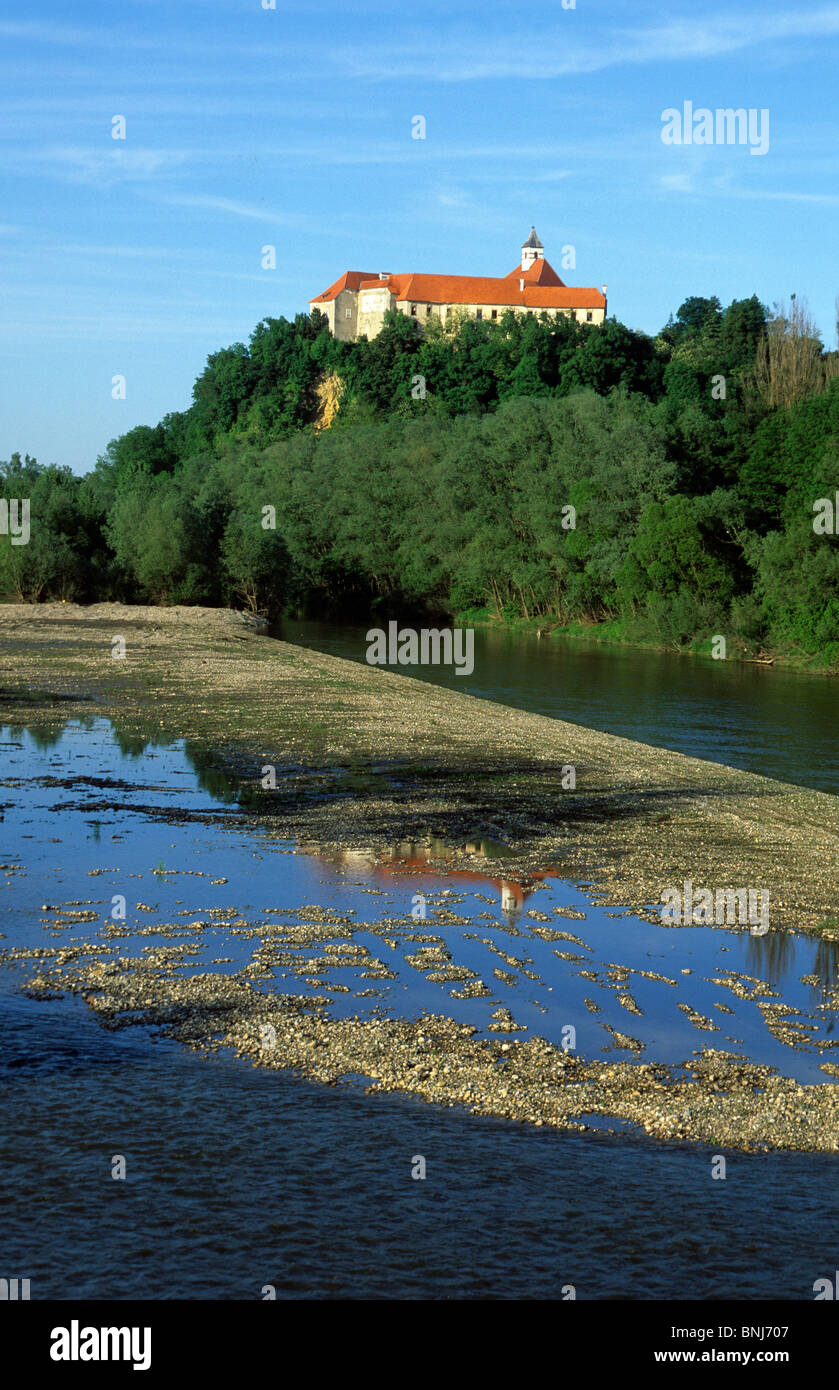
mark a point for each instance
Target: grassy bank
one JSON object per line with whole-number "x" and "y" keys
{"x": 621, "y": 632}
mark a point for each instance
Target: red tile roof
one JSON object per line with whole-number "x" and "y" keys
{"x": 539, "y": 272}
{"x": 350, "y": 280}
{"x": 543, "y": 289}
{"x": 483, "y": 290}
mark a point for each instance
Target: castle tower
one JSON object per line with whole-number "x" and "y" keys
{"x": 532, "y": 250}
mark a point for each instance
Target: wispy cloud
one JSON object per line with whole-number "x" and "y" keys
{"x": 37, "y": 32}
{"x": 454, "y": 198}
{"x": 256, "y": 211}
{"x": 724, "y": 186}
{"x": 536, "y": 55}
{"x": 109, "y": 163}
{"x": 522, "y": 178}
{"x": 437, "y": 151}
{"x": 678, "y": 183}
{"x": 782, "y": 196}
{"x": 131, "y": 252}
{"x": 559, "y": 54}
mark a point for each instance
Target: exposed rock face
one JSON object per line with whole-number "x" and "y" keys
{"x": 329, "y": 391}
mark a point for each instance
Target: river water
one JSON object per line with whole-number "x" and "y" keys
{"x": 240, "y": 1179}
{"x": 763, "y": 719}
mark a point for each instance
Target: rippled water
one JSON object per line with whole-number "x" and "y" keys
{"x": 239, "y": 1178}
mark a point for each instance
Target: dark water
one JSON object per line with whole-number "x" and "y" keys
{"x": 238, "y": 1177}
{"x": 780, "y": 723}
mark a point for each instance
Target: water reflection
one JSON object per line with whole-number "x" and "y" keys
{"x": 412, "y": 856}
{"x": 133, "y": 745}
{"x": 770, "y": 956}
{"x": 773, "y": 957}
{"x": 217, "y": 784}
{"x": 43, "y": 738}
{"x": 157, "y": 812}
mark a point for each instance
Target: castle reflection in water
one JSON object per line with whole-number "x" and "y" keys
{"x": 408, "y": 856}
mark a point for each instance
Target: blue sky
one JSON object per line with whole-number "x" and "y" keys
{"x": 292, "y": 127}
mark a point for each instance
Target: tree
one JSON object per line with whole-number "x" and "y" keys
{"x": 158, "y": 540}
{"x": 256, "y": 562}
{"x": 788, "y": 366}
{"x": 53, "y": 563}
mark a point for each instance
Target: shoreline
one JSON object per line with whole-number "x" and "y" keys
{"x": 610, "y": 634}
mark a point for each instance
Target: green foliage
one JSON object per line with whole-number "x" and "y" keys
{"x": 56, "y": 561}
{"x": 255, "y": 562}
{"x": 792, "y": 453}
{"x": 528, "y": 468}
{"x": 797, "y": 586}
{"x": 154, "y": 528}
{"x": 672, "y": 574}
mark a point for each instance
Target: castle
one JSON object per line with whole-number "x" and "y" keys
{"x": 356, "y": 304}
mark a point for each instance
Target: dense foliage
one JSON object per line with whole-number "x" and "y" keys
{"x": 533, "y": 468}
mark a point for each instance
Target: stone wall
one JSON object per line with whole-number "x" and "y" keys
{"x": 367, "y": 310}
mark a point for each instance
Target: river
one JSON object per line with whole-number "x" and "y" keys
{"x": 778, "y": 722}
{"x": 240, "y": 1179}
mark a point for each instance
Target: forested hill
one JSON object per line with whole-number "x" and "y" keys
{"x": 532, "y": 468}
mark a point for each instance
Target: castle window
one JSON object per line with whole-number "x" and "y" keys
{"x": 448, "y": 311}
{"x": 495, "y": 313}
{"x": 589, "y": 316}
{"x": 479, "y": 314}
{"x": 413, "y": 310}
{"x": 348, "y": 314}
{"x": 428, "y": 311}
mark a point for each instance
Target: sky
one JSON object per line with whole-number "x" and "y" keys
{"x": 250, "y": 124}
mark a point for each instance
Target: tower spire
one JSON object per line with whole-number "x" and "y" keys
{"x": 532, "y": 250}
